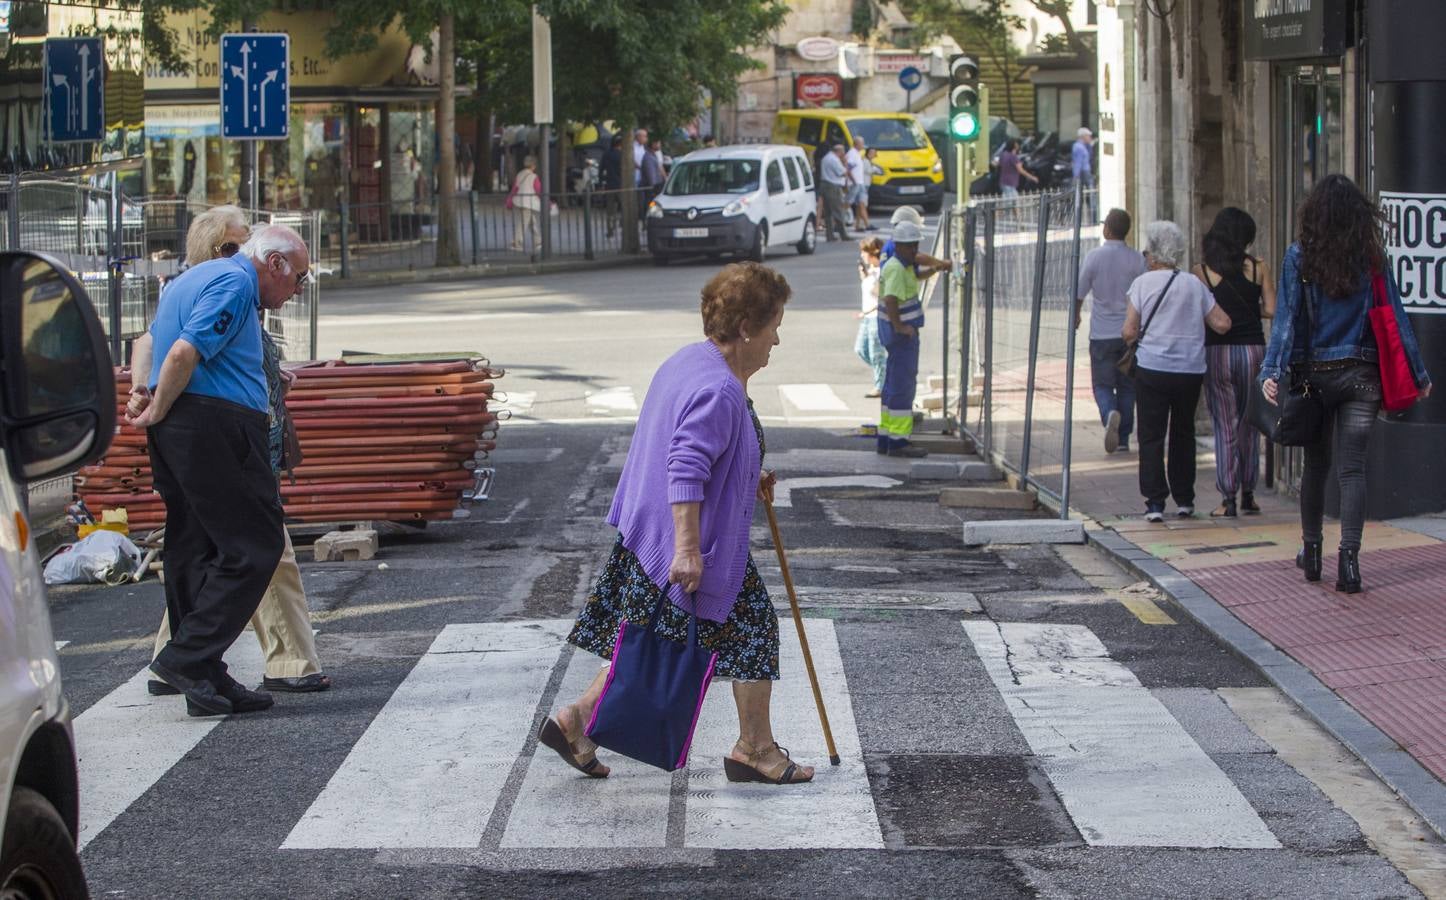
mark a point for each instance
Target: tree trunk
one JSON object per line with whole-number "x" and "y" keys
{"x": 628, "y": 196}
{"x": 449, "y": 246}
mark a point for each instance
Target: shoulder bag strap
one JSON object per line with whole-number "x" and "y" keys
{"x": 1158, "y": 303}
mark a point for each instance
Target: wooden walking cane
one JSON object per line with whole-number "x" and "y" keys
{"x": 833, "y": 756}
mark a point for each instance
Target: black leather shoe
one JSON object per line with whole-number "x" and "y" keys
{"x": 201, "y": 696}
{"x": 909, "y": 451}
{"x": 160, "y": 689}
{"x": 1308, "y": 560}
{"x": 1348, "y": 571}
{"x": 243, "y": 699}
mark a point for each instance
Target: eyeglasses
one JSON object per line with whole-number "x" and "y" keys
{"x": 302, "y": 278}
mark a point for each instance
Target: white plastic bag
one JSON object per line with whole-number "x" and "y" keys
{"x": 101, "y": 556}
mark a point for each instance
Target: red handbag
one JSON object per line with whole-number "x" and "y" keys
{"x": 1398, "y": 385}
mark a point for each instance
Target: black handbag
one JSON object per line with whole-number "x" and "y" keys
{"x": 1127, "y": 363}
{"x": 1298, "y": 418}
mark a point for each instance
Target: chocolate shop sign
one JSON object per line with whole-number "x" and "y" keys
{"x": 1416, "y": 244}
{"x": 1294, "y": 29}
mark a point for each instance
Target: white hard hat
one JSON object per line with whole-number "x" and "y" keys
{"x": 907, "y": 233}
{"x": 906, "y": 214}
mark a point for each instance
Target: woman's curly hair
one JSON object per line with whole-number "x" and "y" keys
{"x": 743, "y": 293}
{"x": 1340, "y": 236}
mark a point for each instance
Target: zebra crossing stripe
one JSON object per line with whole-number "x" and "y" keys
{"x": 128, "y": 740}
{"x": 812, "y": 398}
{"x": 429, "y": 769}
{"x": 629, "y": 808}
{"x": 1125, "y": 769}
{"x": 836, "y": 811}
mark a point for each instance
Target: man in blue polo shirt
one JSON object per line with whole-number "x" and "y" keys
{"x": 207, "y": 432}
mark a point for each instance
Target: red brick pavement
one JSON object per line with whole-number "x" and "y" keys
{"x": 1383, "y": 650}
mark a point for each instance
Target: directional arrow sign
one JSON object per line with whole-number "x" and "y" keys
{"x": 74, "y": 89}
{"x": 255, "y": 87}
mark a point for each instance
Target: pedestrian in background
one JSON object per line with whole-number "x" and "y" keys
{"x": 1166, "y": 320}
{"x": 1105, "y": 276}
{"x": 1011, "y": 169}
{"x": 282, "y": 622}
{"x": 527, "y": 200}
{"x": 1242, "y": 287}
{"x": 612, "y": 182}
{"x": 207, "y": 423}
{"x": 834, "y": 176}
{"x": 690, "y": 482}
{"x": 654, "y": 172}
{"x": 900, "y": 317}
{"x": 867, "y": 344}
{"x": 1081, "y": 163}
{"x": 1326, "y": 277}
{"x": 859, "y": 181}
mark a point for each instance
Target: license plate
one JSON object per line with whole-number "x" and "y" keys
{"x": 690, "y": 232}
{"x": 912, "y": 189}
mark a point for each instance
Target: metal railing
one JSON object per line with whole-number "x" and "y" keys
{"x": 396, "y": 236}
{"x": 123, "y": 251}
{"x": 1015, "y": 336}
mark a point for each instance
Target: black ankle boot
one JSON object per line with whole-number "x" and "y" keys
{"x": 1308, "y": 560}
{"x": 1348, "y": 571}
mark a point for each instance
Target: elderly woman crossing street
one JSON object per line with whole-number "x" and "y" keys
{"x": 683, "y": 508}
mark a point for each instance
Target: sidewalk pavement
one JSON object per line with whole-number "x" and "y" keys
{"x": 1382, "y": 651}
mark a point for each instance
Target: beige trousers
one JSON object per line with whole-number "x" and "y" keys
{"x": 282, "y": 623}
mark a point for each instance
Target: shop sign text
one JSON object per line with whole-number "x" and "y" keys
{"x": 1416, "y": 243}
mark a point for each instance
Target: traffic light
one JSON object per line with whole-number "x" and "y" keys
{"x": 964, "y": 124}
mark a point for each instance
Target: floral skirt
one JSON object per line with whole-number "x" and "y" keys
{"x": 746, "y": 643}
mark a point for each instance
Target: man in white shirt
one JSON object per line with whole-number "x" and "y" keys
{"x": 834, "y": 177}
{"x": 858, "y": 189}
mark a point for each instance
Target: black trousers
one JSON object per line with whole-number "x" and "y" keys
{"x": 1166, "y": 403}
{"x": 1352, "y": 397}
{"x": 223, "y": 527}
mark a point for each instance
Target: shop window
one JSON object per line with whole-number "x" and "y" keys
{"x": 1060, "y": 109}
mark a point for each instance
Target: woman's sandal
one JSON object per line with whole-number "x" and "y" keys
{"x": 1225, "y": 509}
{"x": 551, "y": 736}
{"x": 1248, "y": 504}
{"x": 782, "y": 773}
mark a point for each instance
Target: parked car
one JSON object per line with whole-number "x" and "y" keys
{"x": 745, "y": 200}
{"x": 906, "y": 170}
{"x": 57, "y": 413}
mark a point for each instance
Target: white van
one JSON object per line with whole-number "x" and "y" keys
{"x": 743, "y": 200}
{"x": 57, "y": 413}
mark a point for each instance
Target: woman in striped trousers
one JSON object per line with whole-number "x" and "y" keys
{"x": 1243, "y": 288}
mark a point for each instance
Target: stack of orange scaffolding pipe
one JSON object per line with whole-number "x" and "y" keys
{"x": 388, "y": 442}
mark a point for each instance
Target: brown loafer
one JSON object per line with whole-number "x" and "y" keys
{"x": 302, "y": 684}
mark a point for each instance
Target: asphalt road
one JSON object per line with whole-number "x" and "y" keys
{"x": 1013, "y": 721}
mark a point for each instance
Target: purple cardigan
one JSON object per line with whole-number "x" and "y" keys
{"x": 694, "y": 442}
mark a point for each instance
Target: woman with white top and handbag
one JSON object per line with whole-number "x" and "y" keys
{"x": 1165, "y": 321}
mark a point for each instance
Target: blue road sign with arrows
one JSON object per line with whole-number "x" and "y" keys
{"x": 255, "y": 87}
{"x": 74, "y": 89}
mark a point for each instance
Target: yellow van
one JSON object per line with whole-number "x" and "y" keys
{"x": 907, "y": 170}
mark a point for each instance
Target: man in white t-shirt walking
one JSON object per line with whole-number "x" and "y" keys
{"x": 858, "y": 189}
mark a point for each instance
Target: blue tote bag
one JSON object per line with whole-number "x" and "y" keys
{"x": 653, "y": 694}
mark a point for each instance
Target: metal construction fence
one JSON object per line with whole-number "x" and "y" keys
{"x": 402, "y": 235}
{"x": 123, "y": 250}
{"x": 1013, "y": 341}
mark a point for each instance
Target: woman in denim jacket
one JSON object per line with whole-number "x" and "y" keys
{"x": 1330, "y": 268}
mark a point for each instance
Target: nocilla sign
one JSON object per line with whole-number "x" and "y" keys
{"x": 385, "y": 63}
